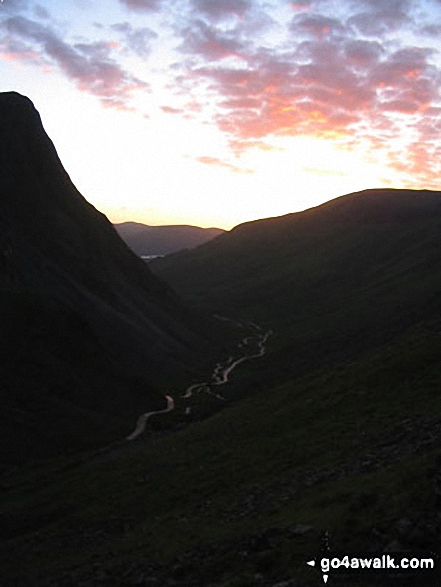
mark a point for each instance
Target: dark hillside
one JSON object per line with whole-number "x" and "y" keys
{"x": 333, "y": 281}
{"x": 244, "y": 498}
{"x": 88, "y": 334}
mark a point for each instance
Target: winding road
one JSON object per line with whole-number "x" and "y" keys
{"x": 219, "y": 377}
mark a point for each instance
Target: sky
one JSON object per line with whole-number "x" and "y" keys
{"x": 216, "y": 112}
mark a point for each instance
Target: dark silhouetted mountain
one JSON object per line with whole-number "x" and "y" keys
{"x": 333, "y": 280}
{"x": 163, "y": 240}
{"x": 88, "y": 335}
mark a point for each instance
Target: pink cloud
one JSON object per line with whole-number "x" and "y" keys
{"x": 15, "y": 50}
{"x": 241, "y": 102}
{"x": 316, "y": 25}
{"x": 328, "y": 84}
{"x": 344, "y": 74}
{"x": 116, "y": 104}
{"x": 300, "y": 5}
{"x": 238, "y": 146}
{"x": 171, "y": 110}
{"x": 419, "y": 161}
{"x": 402, "y": 106}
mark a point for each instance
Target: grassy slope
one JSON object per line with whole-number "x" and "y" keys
{"x": 227, "y": 501}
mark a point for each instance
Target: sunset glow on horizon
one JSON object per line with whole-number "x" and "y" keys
{"x": 216, "y": 112}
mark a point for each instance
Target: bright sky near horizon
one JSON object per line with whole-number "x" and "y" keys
{"x": 215, "y": 112}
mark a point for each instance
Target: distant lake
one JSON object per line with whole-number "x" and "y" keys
{"x": 148, "y": 258}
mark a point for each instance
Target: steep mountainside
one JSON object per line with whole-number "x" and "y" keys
{"x": 163, "y": 240}
{"x": 88, "y": 334}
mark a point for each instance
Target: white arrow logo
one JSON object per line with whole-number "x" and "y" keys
{"x": 312, "y": 564}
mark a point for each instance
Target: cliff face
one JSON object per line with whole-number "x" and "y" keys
{"x": 39, "y": 199}
{"x": 90, "y": 337}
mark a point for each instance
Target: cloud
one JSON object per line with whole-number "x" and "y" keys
{"x": 376, "y": 25}
{"x": 16, "y": 50}
{"x": 137, "y": 40}
{"x": 41, "y": 12}
{"x": 362, "y": 54}
{"x": 117, "y": 104}
{"x": 316, "y": 25}
{"x": 89, "y": 65}
{"x": 266, "y": 69}
{"x": 208, "y": 42}
{"x": 15, "y": 6}
{"x": 220, "y": 163}
{"x": 418, "y": 161}
{"x": 218, "y": 9}
{"x": 300, "y": 5}
{"x": 171, "y": 110}
{"x": 322, "y": 81}
{"x": 238, "y": 146}
{"x": 141, "y": 5}
{"x": 396, "y": 6}
{"x": 280, "y": 95}
{"x": 376, "y": 17}
{"x": 406, "y": 82}
{"x": 431, "y": 30}
{"x": 96, "y": 51}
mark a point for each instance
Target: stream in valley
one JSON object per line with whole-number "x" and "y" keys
{"x": 250, "y": 347}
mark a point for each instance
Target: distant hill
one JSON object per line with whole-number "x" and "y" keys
{"x": 88, "y": 335}
{"x": 162, "y": 240}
